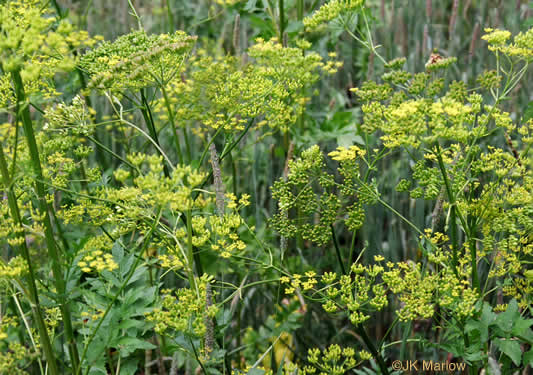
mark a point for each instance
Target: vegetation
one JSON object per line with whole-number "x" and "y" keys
{"x": 282, "y": 187}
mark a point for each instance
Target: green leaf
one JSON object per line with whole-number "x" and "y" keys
{"x": 129, "y": 367}
{"x": 131, "y": 323}
{"x": 294, "y": 27}
{"x": 528, "y": 358}
{"x": 506, "y": 319}
{"x": 521, "y": 327}
{"x": 511, "y": 348}
{"x": 528, "y": 113}
{"x": 487, "y": 318}
{"x": 250, "y": 5}
{"x": 128, "y": 345}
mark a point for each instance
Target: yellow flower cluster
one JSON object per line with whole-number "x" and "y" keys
{"x": 137, "y": 60}
{"x": 97, "y": 261}
{"x": 334, "y": 360}
{"x": 184, "y": 310}
{"x": 521, "y": 47}
{"x": 170, "y": 261}
{"x": 296, "y": 282}
{"x": 222, "y": 93}
{"x": 11, "y": 359}
{"x": 419, "y": 291}
{"x": 330, "y": 11}
{"x": 30, "y": 45}
{"x": 95, "y": 258}
{"x": 95, "y": 315}
{"x": 343, "y": 153}
{"x": 16, "y": 268}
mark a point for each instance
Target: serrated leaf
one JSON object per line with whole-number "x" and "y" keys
{"x": 474, "y": 353}
{"x": 139, "y": 272}
{"x": 131, "y": 323}
{"x": 118, "y": 252}
{"x": 128, "y": 345}
{"x": 521, "y": 327}
{"x": 511, "y": 348}
{"x": 487, "y": 318}
{"x": 506, "y": 319}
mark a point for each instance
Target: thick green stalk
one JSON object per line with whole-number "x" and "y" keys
{"x": 473, "y": 261}
{"x": 170, "y": 17}
{"x": 453, "y": 213}
{"x": 190, "y": 251}
{"x": 147, "y": 114}
{"x": 173, "y": 123}
{"x": 24, "y": 114}
{"x": 370, "y": 345}
{"x": 337, "y": 250}
{"x": 300, "y": 9}
{"x": 34, "y": 296}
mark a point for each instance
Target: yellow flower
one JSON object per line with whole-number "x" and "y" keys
{"x": 343, "y": 153}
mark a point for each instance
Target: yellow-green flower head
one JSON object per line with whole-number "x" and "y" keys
{"x": 33, "y": 42}
{"x": 223, "y": 94}
{"x": 96, "y": 256}
{"x": 16, "y": 268}
{"x": 496, "y": 37}
{"x": 330, "y": 11}
{"x": 521, "y": 47}
{"x": 343, "y": 153}
{"x": 137, "y": 60}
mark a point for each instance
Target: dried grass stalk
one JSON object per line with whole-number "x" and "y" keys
{"x": 453, "y": 18}
{"x": 475, "y": 37}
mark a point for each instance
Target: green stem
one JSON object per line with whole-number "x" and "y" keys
{"x": 190, "y": 251}
{"x": 34, "y": 296}
{"x": 173, "y": 123}
{"x": 370, "y": 345}
{"x": 337, "y": 250}
{"x": 204, "y": 153}
{"x": 147, "y": 114}
{"x": 24, "y": 114}
{"x": 453, "y": 219}
{"x": 134, "y": 13}
{"x": 111, "y": 152}
{"x": 170, "y": 18}
{"x": 300, "y": 9}
{"x": 58, "y": 9}
{"x": 352, "y": 247}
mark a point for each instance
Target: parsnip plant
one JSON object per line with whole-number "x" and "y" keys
{"x": 135, "y": 239}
